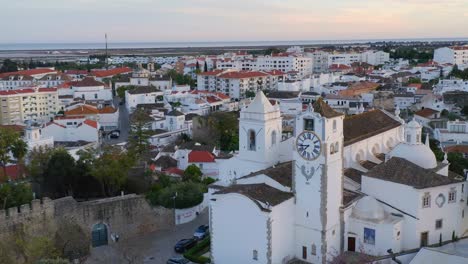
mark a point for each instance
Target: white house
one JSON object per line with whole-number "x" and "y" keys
{"x": 456, "y": 131}
{"x": 141, "y": 95}
{"x": 454, "y": 55}
{"x": 72, "y": 129}
{"x": 107, "y": 116}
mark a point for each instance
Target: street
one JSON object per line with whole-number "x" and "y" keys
{"x": 152, "y": 248}
{"x": 124, "y": 124}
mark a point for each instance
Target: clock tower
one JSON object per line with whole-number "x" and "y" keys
{"x": 317, "y": 182}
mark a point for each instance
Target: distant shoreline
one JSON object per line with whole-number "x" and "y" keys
{"x": 215, "y": 44}
{"x": 71, "y": 51}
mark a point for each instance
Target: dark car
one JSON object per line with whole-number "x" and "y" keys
{"x": 185, "y": 244}
{"x": 201, "y": 232}
{"x": 177, "y": 260}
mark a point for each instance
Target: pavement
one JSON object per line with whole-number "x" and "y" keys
{"x": 152, "y": 248}
{"x": 124, "y": 124}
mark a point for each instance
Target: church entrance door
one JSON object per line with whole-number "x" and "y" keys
{"x": 351, "y": 244}
{"x": 424, "y": 237}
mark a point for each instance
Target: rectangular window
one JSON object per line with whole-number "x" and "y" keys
{"x": 255, "y": 255}
{"x": 426, "y": 200}
{"x": 309, "y": 124}
{"x": 438, "y": 224}
{"x": 369, "y": 236}
{"x": 304, "y": 252}
{"x": 452, "y": 196}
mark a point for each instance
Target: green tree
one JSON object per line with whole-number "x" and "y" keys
{"x": 249, "y": 94}
{"x": 13, "y": 195}
{"x": 183, "y": 194}
{"x": 38, "y": 161}
{"x": 205, "y": 67}
{"x": 122, "y": 89}
{"x": 19, "y": 149}
{"x": 140, "y": 132}
{"x": 60, "y": 175}
{"x": 9, "y": 140}
{"x": 192, "y": 173}
{"x": 9, "y": 66}
{"x": 111, "y": 169}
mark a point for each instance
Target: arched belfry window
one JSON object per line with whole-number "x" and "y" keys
{"x": 334, "y": 125}
{"x": 273, "y": 138}
{"x": 251, "y": 140}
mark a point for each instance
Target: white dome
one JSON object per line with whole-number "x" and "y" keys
{"x": 368, "y": 208}
{"x": 413, "y": 124}
{"x": 418, "y": 154}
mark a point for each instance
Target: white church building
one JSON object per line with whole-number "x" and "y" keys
{"x": 364, "y": 183}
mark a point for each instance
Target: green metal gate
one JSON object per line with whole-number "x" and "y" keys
{"x": 99, "y": 235}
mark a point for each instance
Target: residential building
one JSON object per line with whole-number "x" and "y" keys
{"x": 454, "y": 55}
{"x": 28, "y": 105}
{"x": 142, "y": 95}
{"x": 426, "y": 116}
{"x": 72, "y": 129}
{"x": 87, "y": 89}
{"x": 106, "y": 116}
{"x": 456, "y": 132}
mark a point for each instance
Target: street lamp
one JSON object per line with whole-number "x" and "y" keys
{"x": 175, "y": 216}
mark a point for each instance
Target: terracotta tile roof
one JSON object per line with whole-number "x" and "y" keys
{"x": 28, "y": 72}
{"x": 353, "y": 174}
{"x": 426, "y": 112}
{"x": 212, "y": 99}
{"x": 211, "y": 73}
{"x": 223, "y": 96}
{"x": 242, "y": 74}
{"x": 27, "y": 90}
{"x": 111, "y": 72}
{"x": 174, "y": 170}
{"x": 16, "y": 128}
{"x": 258, "y": 193}
{"x": 143, "y": 90}
{"x": 457, "y": 149}
{"x": 200, "y": 156}
{"x": 281, "y": 173}
{"x": 339, "y": 67}
{"x": 18, "y": 77}
{"x": 402, "y": 171}
{"x": 324, "y": 109}
{"x": 76, "y": 72}
{"x": 276, "y": 73}
{"x": 82, "y": 110}
{"x": 12, "y": 172}
{"x": 366, "y": 125}
{"x": 86, "y": 82}
{"x": 53, "y": 123}
{"x": 415, "y": 85}
{"x": 165, "y": 162}
{"x": 91, "y": 123}
{"x": 349, "y": 197}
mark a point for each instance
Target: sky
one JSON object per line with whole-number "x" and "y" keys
{"x": 71, "y": 21}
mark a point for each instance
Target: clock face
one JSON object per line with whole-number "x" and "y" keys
{"x": 308, "y": 145}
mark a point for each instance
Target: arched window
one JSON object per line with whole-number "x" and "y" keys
{"x": 334, "y": 125}
{"x": 255, "y": 255}
{"x": 313, "y": 250}
{"x": 332, "y": 148}
{"x": 337, "y": 147}
{"x": 251, "y": 140}
{"x": 273, "y": 137}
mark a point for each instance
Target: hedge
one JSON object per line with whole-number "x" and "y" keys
{"x": 195, "y": 254}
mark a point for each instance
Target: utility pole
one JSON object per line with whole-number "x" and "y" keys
{"x": 107, "y": 66}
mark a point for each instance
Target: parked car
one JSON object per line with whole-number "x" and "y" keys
{"x": 178, "y": 260}
{"x": 185, "y": 244}
{"x": 201, "y": 232}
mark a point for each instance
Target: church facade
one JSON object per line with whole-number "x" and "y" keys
{"x": 364, "y": 183}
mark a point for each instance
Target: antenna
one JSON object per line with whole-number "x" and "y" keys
{"x": 107, "y": 67}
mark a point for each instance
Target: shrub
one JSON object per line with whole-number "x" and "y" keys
{"x": 208, "y": 181}
{"x": 189, "y": 194}
{"x": 192, "y": 173}
{"x": 195, "y": 254}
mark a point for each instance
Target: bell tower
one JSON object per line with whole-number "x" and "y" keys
{"x": 260, "y": 129}
{"x": 317, "y": 182}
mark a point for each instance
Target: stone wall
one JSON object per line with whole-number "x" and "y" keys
{"x": 127, "y": 216}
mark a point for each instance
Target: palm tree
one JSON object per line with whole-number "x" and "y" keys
{"x": 19, "y": 149}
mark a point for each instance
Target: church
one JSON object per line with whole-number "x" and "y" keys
{"x": 364, "y": 183}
